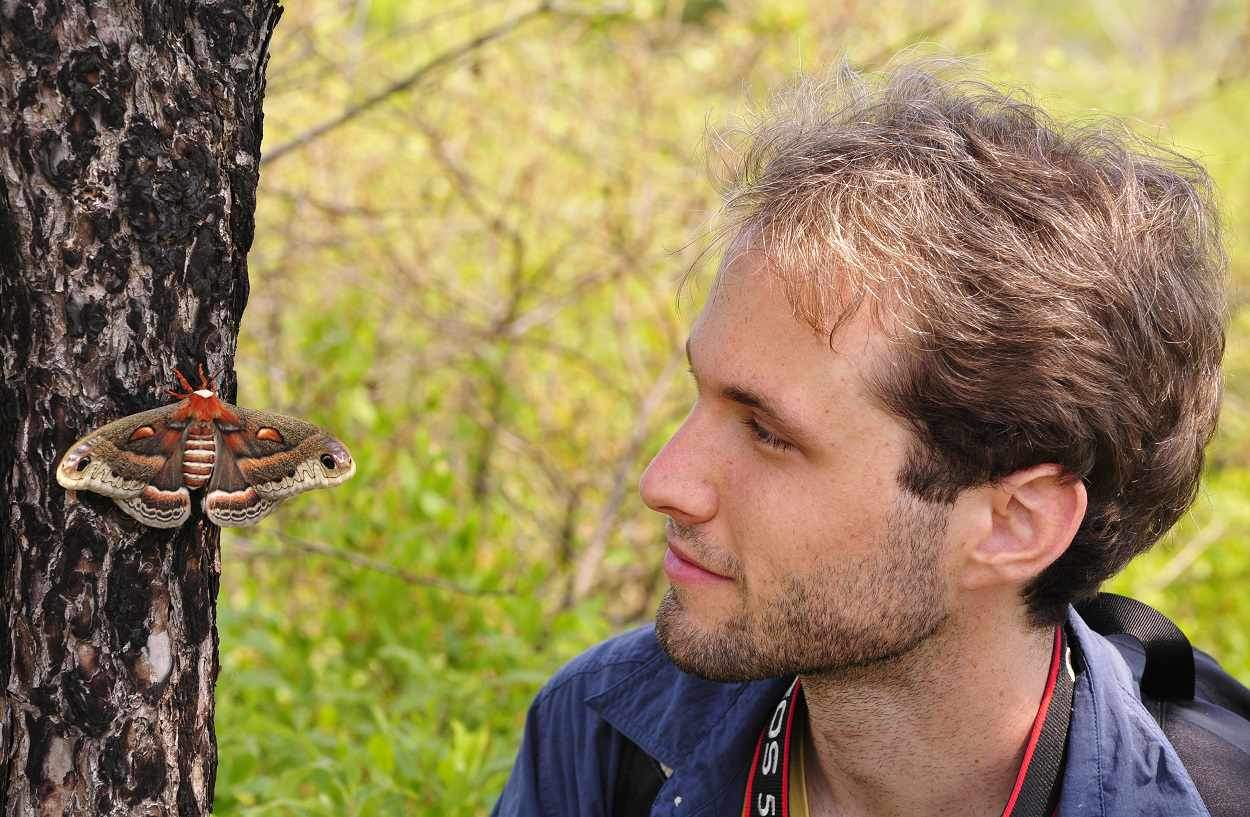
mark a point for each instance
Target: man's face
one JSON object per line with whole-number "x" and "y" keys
{"x": 792, "y": 548}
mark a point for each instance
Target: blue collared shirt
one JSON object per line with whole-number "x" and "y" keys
{"x": 1119, "y": 764}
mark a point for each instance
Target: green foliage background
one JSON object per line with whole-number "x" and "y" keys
{"x": 473, "y": 283}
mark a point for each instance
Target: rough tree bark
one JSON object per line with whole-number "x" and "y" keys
{"x": 129, "y": 154}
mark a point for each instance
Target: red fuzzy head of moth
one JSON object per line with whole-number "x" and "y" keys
{"x": 203, "y": 404}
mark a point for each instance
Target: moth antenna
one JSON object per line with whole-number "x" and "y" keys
{"x": 186, "y": 384}
{"x": 205, "y": 383}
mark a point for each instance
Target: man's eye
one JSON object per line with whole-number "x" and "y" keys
{"x": 765, "y": 436}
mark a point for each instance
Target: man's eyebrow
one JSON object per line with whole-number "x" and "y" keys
{"x": 752, "y": 399}
{"x": 757, "y": 401}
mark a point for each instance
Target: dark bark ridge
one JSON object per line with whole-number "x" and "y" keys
{"x": 129, "y": 154}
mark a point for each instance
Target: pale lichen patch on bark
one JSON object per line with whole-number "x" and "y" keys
{"x": 155, "y": 660}
{"x": 59, "y": 762}
{"x": 86, "y": 657}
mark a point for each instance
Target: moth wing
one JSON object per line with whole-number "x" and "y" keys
{"x": 164, "y": 502}
{"x": 268, "y": 458}
{"x": 120, "y": 458}
{"x": 229, "y": 500}
{"x": 156, "y": 508}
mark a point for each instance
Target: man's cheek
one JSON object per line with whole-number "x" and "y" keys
{"x": 763, "y": 577}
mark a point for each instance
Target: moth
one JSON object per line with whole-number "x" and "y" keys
{"x": 245, "y": 461}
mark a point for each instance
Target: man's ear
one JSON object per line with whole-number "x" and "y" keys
{"x": 1034, "y": 513}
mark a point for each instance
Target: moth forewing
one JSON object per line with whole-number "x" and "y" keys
{"x": 95, "y": 475}
{"x": 107, "y": 462}
{"x": 283, "y": 456}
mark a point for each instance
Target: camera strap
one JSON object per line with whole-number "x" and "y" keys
{"x": 1036, "y": 789}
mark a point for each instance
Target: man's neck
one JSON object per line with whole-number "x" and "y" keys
{"x": 939, "y": 731}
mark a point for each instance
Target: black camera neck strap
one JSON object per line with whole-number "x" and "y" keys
{"x": 1036, "y": 789}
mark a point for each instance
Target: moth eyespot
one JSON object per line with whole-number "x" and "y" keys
{"x": 328, "y": 462}
{"x": 290, "y": 473}
{"x": 83, "y": 463}
{"x": 142, "y": 433}
{"x": 271, "y": 434}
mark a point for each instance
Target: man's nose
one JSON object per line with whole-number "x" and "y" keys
{"x": 678, "y": 481}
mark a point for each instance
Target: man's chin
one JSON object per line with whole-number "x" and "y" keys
{"x": 710, "y": 650}
{"x": 720, "y": 645}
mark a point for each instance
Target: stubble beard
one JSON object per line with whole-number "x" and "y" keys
{"x": 845, "y": 614}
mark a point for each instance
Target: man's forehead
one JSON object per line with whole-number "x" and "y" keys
{"x": 743, "y": 262}
{"x": 748, "y": 336}
{"x": 747, "y": 283}
{"x": 823, "y": 291}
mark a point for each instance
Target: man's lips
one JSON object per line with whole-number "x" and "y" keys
{"x": 683, "y": 569}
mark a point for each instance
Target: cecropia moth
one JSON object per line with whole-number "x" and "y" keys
{"x": 246, "y": 461}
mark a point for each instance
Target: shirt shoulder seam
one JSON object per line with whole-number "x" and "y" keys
{"x": 573, "y": 676}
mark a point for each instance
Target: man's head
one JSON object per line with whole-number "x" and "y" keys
{"x": 995, "y": 348}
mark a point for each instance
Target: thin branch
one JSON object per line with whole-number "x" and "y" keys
{"x": 404, "y": 84}
{"x": 250, "y": 549}
{"x": 925, "y": 33}
{"x": 1188, "y": 555}
{"x": 591, "y": 560}
{"x": 547, "y": 311}
{"x": 463, "y": 182}
{"x": 1222, "y": 82}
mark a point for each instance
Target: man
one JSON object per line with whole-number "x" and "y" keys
{"x": 958, "y": 367}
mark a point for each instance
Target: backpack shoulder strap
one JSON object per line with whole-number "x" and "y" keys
{"x": 1211, "y": 735}
{"x": 1169, "y": 672}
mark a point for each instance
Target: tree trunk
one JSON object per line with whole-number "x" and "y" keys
{"x": 129, "y": 153}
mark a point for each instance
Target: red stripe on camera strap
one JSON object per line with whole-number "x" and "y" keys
{"x": 768, "y": 787}
{"x": 1036, "y": 789}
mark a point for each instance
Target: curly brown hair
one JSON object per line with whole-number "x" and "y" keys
{"x": 1055, "y": 293}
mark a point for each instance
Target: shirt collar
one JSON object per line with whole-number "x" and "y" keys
{"x": 1119, "y": 764}
{"x": 704, "y": 731}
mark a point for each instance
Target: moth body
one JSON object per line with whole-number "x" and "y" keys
{"x": 199, "y": 454}
{"x": 245, "y": 461}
